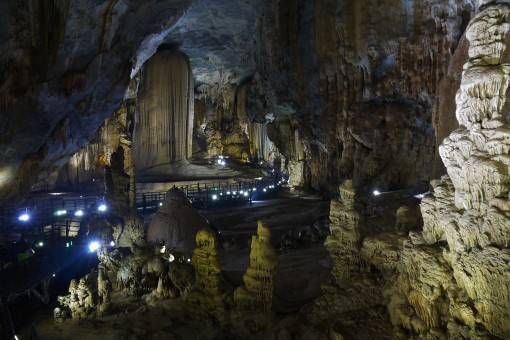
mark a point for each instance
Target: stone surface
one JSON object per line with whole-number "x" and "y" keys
{"x": 176, "y": 224}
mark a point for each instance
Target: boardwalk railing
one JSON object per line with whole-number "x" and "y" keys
{"x": 61, "y": 214}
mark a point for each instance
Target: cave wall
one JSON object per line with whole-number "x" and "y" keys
{"x": 65, "y": 67}
{"x": 363, "y": 83}
{"x": 164, "y": 120}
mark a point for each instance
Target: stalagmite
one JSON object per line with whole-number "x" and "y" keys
{"x": 257, "y": 292}
{"x": 164, "y": 126}
{"x": 207, "y": 298}
{"x": 462, "y": 291}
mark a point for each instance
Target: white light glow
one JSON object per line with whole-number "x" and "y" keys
{"x": 254, "y": 189}
{"x": 53, "y": 274}
{"x": 160, "y": 204}
{"x": 40, "y": 244}
{"x": 56, "y": 193}
{"x": 171, "y": 258}
{"x": 112, "y": 244}
{"x": 420, "y": 196}
{"x": 234, "y": 193}
{"x": 24, "y": 217}
{"x": 376, "y": 192}
{"x": 214, "y": 197}
{"x": 94, "y": 246}
{"x": 228, "y": 192}
{"x": 61, "y": 212}
{"x": 245, "y": 194}
{"x": 265, "y": 190}
{"x": 102, "y": 208}
{"x": 79, "y": 213}
{"x": 162, "y": 250}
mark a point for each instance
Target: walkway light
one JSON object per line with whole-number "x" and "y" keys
{"x": 376, "y": 192}
{"x": 245, "y": 194}
{"x": 40, "y": 244}
{"x": 228, "y": 192}
{"x": 254, "y": 189}
{"x": 24, "y": 217}
{"x": 61, "y": 212}
{"x": 79, "y": 213}
{"x": 214, "y": 197}
{"x": 265, "y": 190}
{"x": 102, "y": 208}
{"x": 94, "y": 246}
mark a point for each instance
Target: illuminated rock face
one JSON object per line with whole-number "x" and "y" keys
{"x": 462, "y": 291}
{"x": 257, "y": 292}
{"x": 164, "y": 125}
{"x": 207, "y": 298}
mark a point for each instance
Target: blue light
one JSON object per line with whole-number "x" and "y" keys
{"x": 24, "y": 217}
{"x": 79, "y": 213}
{"x": 102, "y": 208}
{"x": 94, "y": 246}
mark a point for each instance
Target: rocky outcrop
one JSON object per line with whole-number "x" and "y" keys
{"x": 452, "y": 277}
{"x": 176, "y": 224}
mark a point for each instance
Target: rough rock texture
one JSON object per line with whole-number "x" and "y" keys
{"x": 453, "y": 277}
{"x": 208, "y": 296}
{"x": 65, "y": 68}
{"x": 176, "y": 223}
{"x": 360, "y": 82}
{"x": 257, "y": 292}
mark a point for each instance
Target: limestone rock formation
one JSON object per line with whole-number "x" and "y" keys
{"x": 82, "y": 298}
{"x": 208, "y": 296}
{"x": 257, "y": 292}
{"x": 360, "y": 80}
{"x": 453, "y": 277}
{"x": 344, "y": 242}
{"x": 164, "y": 127}
{"x": 176, "y": 223}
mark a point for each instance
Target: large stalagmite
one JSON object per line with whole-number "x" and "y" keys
{"x": 453, "y": 280}
{"x": 164, "y": 125}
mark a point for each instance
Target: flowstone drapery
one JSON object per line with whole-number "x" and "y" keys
{"x": 453, "y": 280}
{"x": 164, "y": 127}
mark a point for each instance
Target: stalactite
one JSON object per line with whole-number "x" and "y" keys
{"x": 164, "y": 126}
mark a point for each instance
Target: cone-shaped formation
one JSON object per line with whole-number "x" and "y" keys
{"x": 257, "y": 292}
{"x": 176, "y": 223}
{"x": 164, "y": 128}
{"x": 208, "y": 295}
{"x": 462, "y": 291}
